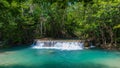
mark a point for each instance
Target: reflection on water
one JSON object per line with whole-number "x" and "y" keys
{"x": 50, "y": 58}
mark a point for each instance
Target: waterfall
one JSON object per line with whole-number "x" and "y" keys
{"x": 58, "y": 44}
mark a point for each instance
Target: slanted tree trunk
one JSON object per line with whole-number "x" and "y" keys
{"x": 103, "y": 36}
{"x": 111, "y": 36}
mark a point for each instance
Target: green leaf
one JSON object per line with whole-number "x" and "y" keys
{"x": 117, "y": 26}
{"x": 1, "y": 24}
{"x": 14, "y": 4}
{"x": 5, "y": 3}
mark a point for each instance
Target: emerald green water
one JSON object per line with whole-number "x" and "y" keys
{"x": 37, "y": 58}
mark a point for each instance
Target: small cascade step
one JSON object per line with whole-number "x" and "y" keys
{"x": 59, "y": 44}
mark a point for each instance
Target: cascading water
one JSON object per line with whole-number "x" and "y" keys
{"x": 62, "y": 45}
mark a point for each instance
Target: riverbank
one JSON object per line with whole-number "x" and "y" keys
{"x": 87, "y": 43}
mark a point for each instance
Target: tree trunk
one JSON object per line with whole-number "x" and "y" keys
{"x": 0, "y": 36}
{"x": 103, "y": 37}
{"x": 111, "y": 37}
{"x": 41, "y": 28}
{"x": 110, "y": 32}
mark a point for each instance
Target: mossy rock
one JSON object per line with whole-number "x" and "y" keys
{"x": 86, "y": 44}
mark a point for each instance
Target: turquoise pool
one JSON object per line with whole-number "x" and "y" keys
{"x": 51, "y": 58}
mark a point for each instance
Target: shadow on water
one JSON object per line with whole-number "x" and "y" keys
{"x": 60, "y": 65}
{"x": 15, "y": 48}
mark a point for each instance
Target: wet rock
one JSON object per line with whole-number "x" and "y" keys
{"x": 87, "y": 44}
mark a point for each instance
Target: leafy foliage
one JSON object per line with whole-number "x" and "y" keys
{"x": 23, "y": 20}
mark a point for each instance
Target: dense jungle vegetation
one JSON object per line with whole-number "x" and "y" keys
{"x": 21, "y": 21}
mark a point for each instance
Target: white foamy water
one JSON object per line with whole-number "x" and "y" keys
{"x": 62, "y": 45}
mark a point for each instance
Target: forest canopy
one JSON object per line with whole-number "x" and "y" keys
{"x": 21, "y": 21}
